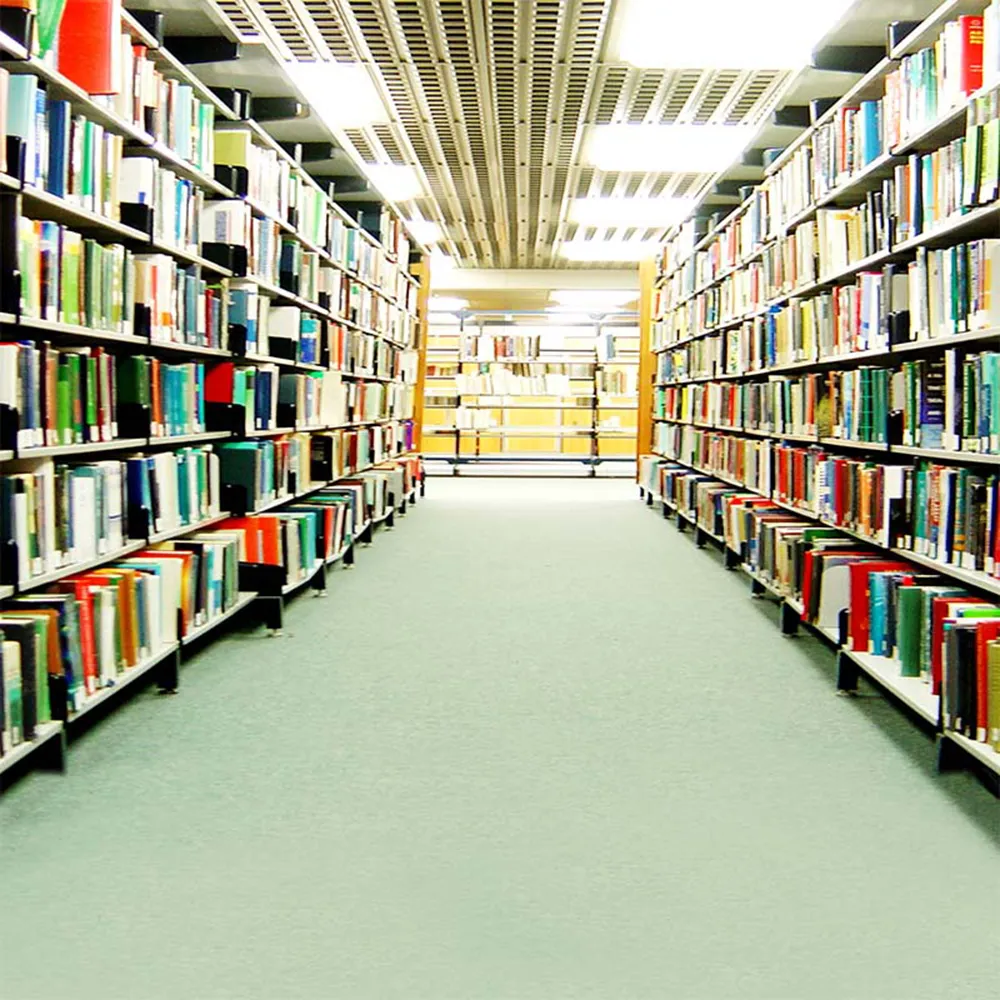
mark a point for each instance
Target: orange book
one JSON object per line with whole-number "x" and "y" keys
{"x": 128, "y": 610}
{"x": 89, "y": 50}
{"x": 263, "y": 537}
{"x": 187, "y": 581}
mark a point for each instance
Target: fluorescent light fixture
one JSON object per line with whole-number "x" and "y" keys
{"x": 585, "y": 298}
{"x": 395, "y": 181}
{"x": 726, "y": 34}
{"x": 630, "y": 212}
{"x": 423, "y": 231}
{"x": 440, "y": 262}
{"x": 608, "y": 250}
{"x": 446, "y": 303}
{"x": 696, "y": 149}
{"x": 324, "y": 86}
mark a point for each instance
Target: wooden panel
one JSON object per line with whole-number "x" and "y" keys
{"x": 647, "y": 360}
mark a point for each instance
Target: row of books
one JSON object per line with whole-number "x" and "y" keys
{"x": 935, "y": 642}
{"x": 947, "y": 403}
{"x": 66, "y": 278}
{"x": 502, "y": 381}
{"x": 61, "y": 648}
{"x": 57, "y": 515}
{"x": 925, "y": 189}
{"x": 496, "y": 347}
{"x": 941, "y": 292}
{"x": 945, "y": 513}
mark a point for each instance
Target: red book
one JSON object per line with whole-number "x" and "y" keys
{"x": 986, "y": 632}
{"x": 89, "y": 46}
{"x": 262, "y": 533}
{"x": 971, "y": 35}
{"x": 219, "y": 383}
{"x": 82, "y": 591}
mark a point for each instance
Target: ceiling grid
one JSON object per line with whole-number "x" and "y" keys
{"x": 491, "y": 101}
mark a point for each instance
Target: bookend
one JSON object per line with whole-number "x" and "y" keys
{"x": 138, "y": 217}
{"x": 282, "y": 347}
{"x": 10, "y": 425}
{"x": 134, "y": 420}
{"x": 789, "y": 621}
{"x": 268, "y": 581}
{"x": 10, "y": 274}
{"x": 225, "y": 417}
{"x": 152, "y": 21}
{"x": 287, "y": 414}
{"x": 390, "y": 519}
{"x": 848, "y": 673}
{"x": 235, "y": 498}
{"x": 238, "y": 101}
{"x": 193, "y": 49}
{"x": 231, "y": 256}
{"x": 18, "y": 23}
{"x": 142, "y": 321}
{"x": 139, "y": 520}
{"x": 236, "y": 179}
{"x": 843, "y": 626}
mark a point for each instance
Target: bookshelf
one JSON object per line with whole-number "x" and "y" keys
{"x": 530, "y": 389}
{"x": 819, "y": 370}
{"x": 211, "y": 402}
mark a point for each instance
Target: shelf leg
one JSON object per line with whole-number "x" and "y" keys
{"x": 318, "y": 582}
{"x": 390, "y": 521}
{"x": 789, "y": 620}
{"x": 756, "y": 588}
{"x": 848, "y": 674}
{"x": 52, "y": 753}
{"x": 700, "y": 538}
{"x": 732, "y": 559}
{"x": 273, "y": 614}
{"x": 348, "y": 559}
{"x": 665, "y": 508}
{"x": 949, "y": 755}
{"x": 168, "y": 673}
{"x": 681, "y": 525}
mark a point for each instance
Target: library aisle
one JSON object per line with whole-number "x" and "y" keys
{"x": 574, "y": 759}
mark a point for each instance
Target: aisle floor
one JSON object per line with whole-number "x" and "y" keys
{"x": 566, "y": 756}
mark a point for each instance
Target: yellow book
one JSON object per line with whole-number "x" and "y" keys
{"x": 233, "y": 147}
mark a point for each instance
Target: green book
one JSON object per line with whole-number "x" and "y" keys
{"x": 90, "y": 397}
{"x": 133, "y": 380}
{"x": 909, "y": 619}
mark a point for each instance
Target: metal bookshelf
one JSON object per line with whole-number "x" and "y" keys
{"x": 480, "y": 429}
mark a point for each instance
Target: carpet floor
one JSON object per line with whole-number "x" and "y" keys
{"x": 535, "y": 745}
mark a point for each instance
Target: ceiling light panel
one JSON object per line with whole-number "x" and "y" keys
{"x": 648, "y": 213}
{"x": 726, "y": 34}
{"x": 665, "y": 148}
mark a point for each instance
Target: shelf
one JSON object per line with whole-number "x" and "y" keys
{"x": 983, "y": 752}
{"x": 201, "y": 437}
{"x": 302, "y": 581}
{"x": 244, "y": 598}
{"x": 5, "y": 592}
{"x": 49, "y": 206}
{"x": 87, "y": 448}
{"x": 54, "y": 327}
{"x": 912, "y": 691}
{"x": 6, "y": 455}
{"x": 34, "y": 582}
{"x": 43, "y": 733}
{"x": 128, "y": 677}
{"x": 186, "y": 529}
{"x": 192, "y": 349}
{"x": 270, "y": 432}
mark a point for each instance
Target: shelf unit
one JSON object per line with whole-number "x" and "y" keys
{"x": 370, "y": 271}
{"x": 708, "y": 295}
{"x": 589, "y": 393}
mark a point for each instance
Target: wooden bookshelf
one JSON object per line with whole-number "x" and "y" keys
{"x": 586, "y": 415}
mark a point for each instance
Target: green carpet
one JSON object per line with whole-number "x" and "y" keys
{"x": 536, "y": 745}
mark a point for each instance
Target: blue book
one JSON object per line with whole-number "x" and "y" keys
{"x": 871, "y": 139}
{"x": 877, "y": 616}
{"x": 59, "y": 115}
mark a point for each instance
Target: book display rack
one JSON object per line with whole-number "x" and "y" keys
{"x": 526, "y": 389}
{"x": 210, "y": 370}
{"x": 824, "y": 373}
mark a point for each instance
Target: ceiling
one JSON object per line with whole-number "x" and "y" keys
{"x": 490, "y": 100}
